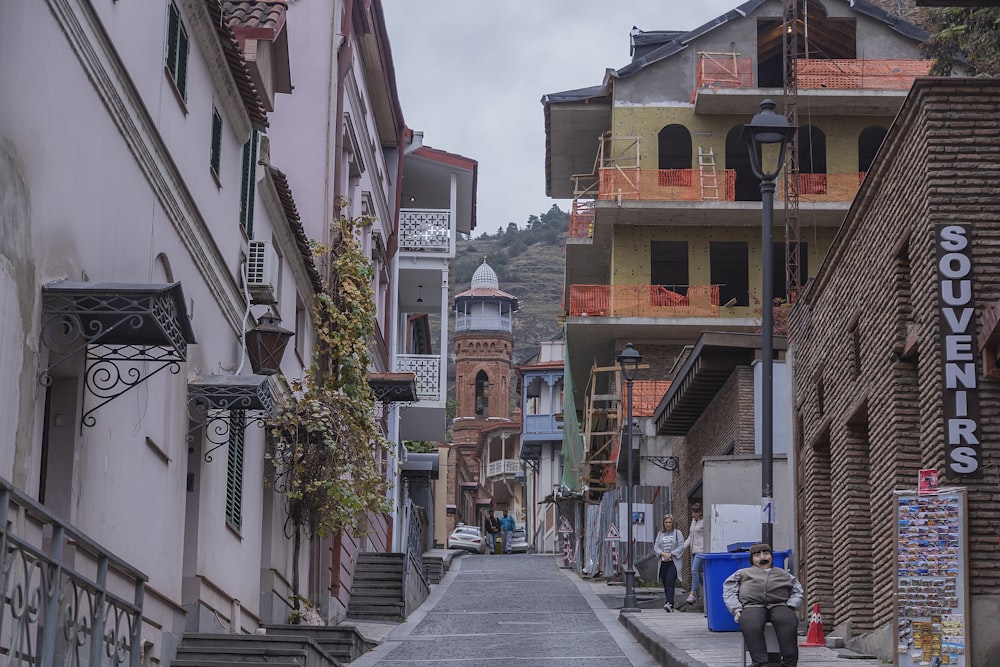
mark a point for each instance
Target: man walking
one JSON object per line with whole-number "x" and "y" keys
{"x": 492, "y": 530}
{"x": 507, "y": 526}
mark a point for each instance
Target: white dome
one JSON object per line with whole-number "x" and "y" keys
{"x": 486, "y": 277}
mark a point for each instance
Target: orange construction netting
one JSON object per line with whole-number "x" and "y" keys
{"x": 666, "y": 185}
{"x": 864, "y": 74}
{"x": 643, "y": 301}
{"x": 581, "y": 220}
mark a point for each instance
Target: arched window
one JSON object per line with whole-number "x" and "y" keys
{"x": 869, "y": 142}
{"x": 482, "y": 394}
{"x": 747, "y": 185}
{"x": 812, "y": 160}
{"x": 674, "y": 155}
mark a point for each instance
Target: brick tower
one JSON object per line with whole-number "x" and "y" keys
{"x": 484, "y": 346}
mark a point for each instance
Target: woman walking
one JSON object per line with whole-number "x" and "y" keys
{"x": 669, "y": 545}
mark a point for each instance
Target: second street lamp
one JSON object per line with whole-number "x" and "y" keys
{"x": 629, "y": 360}
{"x": 767, "y": 129}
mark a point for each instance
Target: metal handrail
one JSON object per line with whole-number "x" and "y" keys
{"x": 49, "y": 608}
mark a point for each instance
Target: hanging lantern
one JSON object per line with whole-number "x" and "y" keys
{"x": 266, "y": 345}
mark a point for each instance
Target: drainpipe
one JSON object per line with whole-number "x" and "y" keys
{"x": 345, "y": 55}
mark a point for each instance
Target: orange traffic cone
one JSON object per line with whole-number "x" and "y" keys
{"x": 815, "y": 636}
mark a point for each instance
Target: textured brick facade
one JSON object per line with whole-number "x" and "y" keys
{"x": 868, "y": 367}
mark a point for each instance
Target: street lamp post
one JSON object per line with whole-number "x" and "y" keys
{"x": 767, "y": 128}
{"x": 629, "y": 360}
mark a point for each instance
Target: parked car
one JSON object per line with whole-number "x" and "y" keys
{"x": 468, "y": 538}
{"x": 519, "y": 541}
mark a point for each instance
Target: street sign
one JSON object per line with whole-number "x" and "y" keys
{"x": 613, "y": 534}
{"x": 564, "y": 526}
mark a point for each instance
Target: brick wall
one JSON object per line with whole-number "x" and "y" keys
{"x": 868, "y": 391}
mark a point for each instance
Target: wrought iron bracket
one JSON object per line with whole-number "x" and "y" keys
{"x": 214, "y": 400}
{"x": 129, "y": 333}
{"x": 665, "y": 462}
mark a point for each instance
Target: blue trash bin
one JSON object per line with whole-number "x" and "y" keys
{"x": 717, "y": 568}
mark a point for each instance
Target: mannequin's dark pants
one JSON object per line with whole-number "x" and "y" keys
{"x": 785, "y": 623}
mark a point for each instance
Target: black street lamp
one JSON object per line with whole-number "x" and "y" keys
{"x": 767, "y": 128}
{"x": 629, "y": 360}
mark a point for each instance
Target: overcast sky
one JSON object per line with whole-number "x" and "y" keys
{"x": 471, "y": 75}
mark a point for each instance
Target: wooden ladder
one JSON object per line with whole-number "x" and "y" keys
{"x": 709, "y": 179}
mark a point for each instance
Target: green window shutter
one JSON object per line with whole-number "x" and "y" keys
{"x": 247, "y": 186}
{"x": 216, "y": 140}
{"x": 173, "y": 24}
{"x": 182, "y": 57}
{"x": 234, "y": 469}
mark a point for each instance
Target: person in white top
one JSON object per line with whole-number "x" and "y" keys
{"x": 669, "y": 545}
{"x": 696, "y": 543}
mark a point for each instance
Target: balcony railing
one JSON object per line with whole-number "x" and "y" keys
{"x": 643, "y": 301}
{"x": 56, "y": 604}
{"x": 503, "y": 467}
{"x": 540, "y": 424}
{"x": 483, "y": 323}
{"x": 716, "y": 70}
{"x": 427, "y": 369}
{"x": 425, "y": 230}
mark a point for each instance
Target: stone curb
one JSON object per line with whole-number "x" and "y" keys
{"x": 663, "y": 651}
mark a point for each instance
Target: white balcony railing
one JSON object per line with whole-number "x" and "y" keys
{"x": 503, "y": 467}
{"x": 427, "y": 369}
{"x": 425, "y": 230}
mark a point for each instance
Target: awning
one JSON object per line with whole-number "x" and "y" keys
{"x": 221, "y": 404}
{"x": 394, "y": 387}
{"x": 128, "y": 331}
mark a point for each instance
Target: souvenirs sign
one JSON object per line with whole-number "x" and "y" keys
{"x": 959, "y": 379}
{"x": 932, "y": 607}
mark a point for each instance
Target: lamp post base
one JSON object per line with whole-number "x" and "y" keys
{"x": 630, "y": 605}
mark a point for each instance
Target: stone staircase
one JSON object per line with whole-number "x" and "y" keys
{"x": 281, "y": 646}
{"x": 437, "y": 562}
{"x": 377, "y": 588}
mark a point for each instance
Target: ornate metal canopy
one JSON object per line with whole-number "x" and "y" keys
{"x": 213, "y": 401}
{"x": 394, "y": 387}
{"x": 129, "y": 332}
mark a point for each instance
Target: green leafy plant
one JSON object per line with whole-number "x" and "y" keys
{"x": 964, "y": 35}
{"x": 329, "y": 454}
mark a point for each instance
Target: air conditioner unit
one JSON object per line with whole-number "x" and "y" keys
{"x": 262, "y": 272}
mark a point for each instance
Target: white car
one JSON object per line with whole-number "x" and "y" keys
{"x": 468, "y": 538}
{"x": 519, "y": 541}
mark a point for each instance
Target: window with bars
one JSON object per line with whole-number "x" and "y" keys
{"x": 248, "y": 185}
{"x": 234, "y": 470}
{"x": 177, "y": 49}
{"x": 216, "y": 157}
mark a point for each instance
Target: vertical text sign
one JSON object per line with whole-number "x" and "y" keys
{"x": 963, "y": 453}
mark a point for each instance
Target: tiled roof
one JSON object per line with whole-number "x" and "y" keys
{"x": 237, "y": 66}
{"x": 262, "y": 20}
{"x": 295, "y": 224}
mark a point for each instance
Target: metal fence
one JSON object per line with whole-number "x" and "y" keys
{"x": 57, "y": 604}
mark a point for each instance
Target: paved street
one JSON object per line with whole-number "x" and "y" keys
{"x": 525, "y": 610}
{"x": 510, "y": 610}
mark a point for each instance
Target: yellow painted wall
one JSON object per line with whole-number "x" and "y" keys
{"x": 841, "y": 132}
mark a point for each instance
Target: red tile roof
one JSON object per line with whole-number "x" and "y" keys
{"x": 257, "y": 20}
{"x": 237, "y": 65}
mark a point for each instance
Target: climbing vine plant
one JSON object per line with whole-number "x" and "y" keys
{"x": 328, "y": 454}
